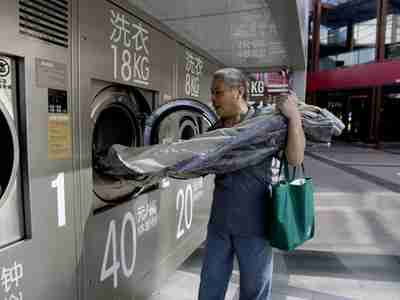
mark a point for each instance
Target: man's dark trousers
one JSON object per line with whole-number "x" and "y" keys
{"x": 255, "y": 258}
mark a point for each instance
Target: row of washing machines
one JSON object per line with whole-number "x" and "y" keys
{"x": 75, "y": 78}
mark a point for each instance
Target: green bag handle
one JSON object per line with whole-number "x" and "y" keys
{"x": 284, "y": 164}
{"x": 295, "y": 171}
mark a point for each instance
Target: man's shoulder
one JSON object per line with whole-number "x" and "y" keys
{"x": 263, "y": 110}
{"x": 252, "y": 112}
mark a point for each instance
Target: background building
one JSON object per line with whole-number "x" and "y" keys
{"x": 354, "y": 65}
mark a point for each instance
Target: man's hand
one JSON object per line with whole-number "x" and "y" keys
{"x": 287, "y": 105}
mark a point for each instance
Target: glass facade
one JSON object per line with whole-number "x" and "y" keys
{"x": 392, "y": 32}
{"x": 347, "y": 33}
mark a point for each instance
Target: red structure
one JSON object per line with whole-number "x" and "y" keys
{"x": 354, "y": 65}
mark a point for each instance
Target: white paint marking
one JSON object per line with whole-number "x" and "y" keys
{"x": 58, "y": 183}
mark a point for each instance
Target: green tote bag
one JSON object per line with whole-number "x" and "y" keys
{"x": 291, "y": 210}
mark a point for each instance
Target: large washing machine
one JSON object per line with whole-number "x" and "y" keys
{"x": 132, "y": 239}
{"x": 71, "y": 85}
{"x": 132, "y": 242}
{"x": 11, "y": 192}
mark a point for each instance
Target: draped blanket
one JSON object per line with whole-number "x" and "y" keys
{"x": 221, "y": 150}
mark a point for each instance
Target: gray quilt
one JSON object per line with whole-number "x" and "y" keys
{"x": 215, "y": 152}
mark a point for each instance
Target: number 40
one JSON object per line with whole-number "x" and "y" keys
{"x": 111, "y": 245}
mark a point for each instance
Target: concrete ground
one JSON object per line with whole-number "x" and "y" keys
{"x": 356, "y": 251}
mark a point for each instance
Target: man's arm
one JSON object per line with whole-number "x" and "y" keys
{"x": 296, "y": 141}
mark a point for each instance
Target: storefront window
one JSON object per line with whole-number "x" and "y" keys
{"x": 392, "y": 36}
{"x": 264, "y": 86}
{"x": 390, "y": 107}
{"x": 347, "y": 33}
{"x": 353, "y": 108}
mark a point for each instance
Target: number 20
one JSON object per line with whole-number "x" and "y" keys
{"x": 184, "y": 206}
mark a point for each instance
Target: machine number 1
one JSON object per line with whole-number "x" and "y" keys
{"x": 58, "y": 184}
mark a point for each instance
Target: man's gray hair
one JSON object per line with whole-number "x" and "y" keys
{"x": 233, "y": 78}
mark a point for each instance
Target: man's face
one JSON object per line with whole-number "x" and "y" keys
{"x": 225, "y": 99}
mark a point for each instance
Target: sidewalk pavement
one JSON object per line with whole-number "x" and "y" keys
{"x": 304, "y": 275}
{"x": 378, "y": 166}
{"x": 359, "y": 154}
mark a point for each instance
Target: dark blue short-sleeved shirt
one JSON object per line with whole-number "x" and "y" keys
{"x": 240, "y": 198}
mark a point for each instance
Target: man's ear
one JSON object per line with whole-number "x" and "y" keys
{"x": 241, "y": 91}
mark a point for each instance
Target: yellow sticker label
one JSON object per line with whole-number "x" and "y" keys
{"x": 59, "y": 137}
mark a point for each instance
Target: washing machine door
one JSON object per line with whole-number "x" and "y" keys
{"x": 116, "y": 119}
{"x": 9, "y": 151}
{"x": 180, "y": 119}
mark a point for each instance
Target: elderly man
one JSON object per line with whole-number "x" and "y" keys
{"x": 238, "y": 222}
